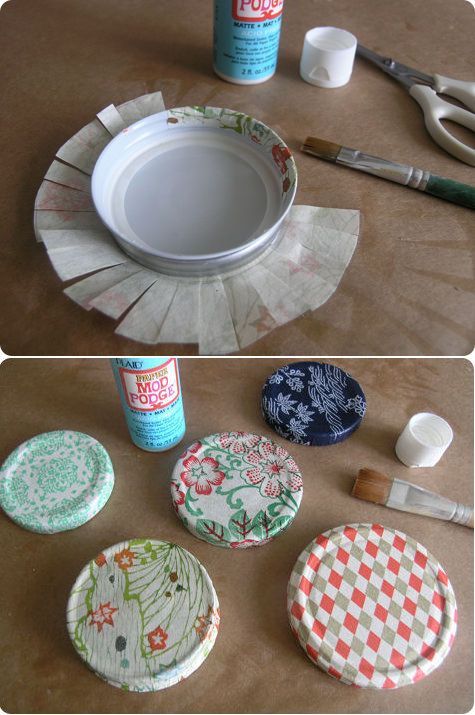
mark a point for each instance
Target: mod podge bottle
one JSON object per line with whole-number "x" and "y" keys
{"x": 150, "y": 394}
{"x": 246, "y": 39}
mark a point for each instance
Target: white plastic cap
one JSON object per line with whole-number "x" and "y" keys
{"x": 423, "y": 440}
{"x": 327, "y": 56}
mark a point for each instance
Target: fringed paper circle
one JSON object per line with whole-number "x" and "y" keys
{"x": 224, "y": 313}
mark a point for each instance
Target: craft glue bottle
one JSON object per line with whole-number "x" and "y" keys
{"x": 246, "y": 39}
{"x": 150, "y": 393}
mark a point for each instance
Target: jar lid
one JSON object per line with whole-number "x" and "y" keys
{"x": 312, "y": 403}
{"x": 236, "y": 489}
{"x": 143, "y": 614}
{"x": 371, "y": 606}
{"x": 56, "y": 481}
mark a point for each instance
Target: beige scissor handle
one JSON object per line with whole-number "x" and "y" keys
{"x": 464, "y": 91}
{"x": 435, "y": 109}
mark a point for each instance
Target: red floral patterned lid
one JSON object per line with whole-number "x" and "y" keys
{"x": 371, "y": 606}
{"x": 236, "y": 489}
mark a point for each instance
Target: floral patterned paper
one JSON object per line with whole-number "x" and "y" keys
{"x": 312, "y": 403}
{"x": 236, "y": 489}
{"x": 56, "y": 481}
{"x": 143, "y": 614}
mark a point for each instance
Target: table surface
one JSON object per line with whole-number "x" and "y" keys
{"x": 408, "y": 289}
{"x": 256, "y": 665}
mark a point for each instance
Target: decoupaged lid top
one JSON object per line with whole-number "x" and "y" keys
{"x": 56, "y": 481}
{"x": 236, "y": 489}
{"x": 371, "y": 606}
{"x": 313, "y": 403}
{"x": 143, "y": 614}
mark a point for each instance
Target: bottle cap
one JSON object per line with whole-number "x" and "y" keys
{"x": 143, "y": 614}
{"x": 56, "y": 481}
{"x": 236, "y": 489}
{"x": 312, "y": 403}
{"x": 327, "y": 56}
{"x": 423, "y": 440}
{"x": 371, "y": 606}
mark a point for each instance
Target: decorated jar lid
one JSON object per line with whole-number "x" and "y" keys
{"x": 236, "y": 489}
{"x": 56, "y": 481}
{"x": 312, "y": 403}
{"x": 143, "y": 614}
{"x": 371, "y": 606}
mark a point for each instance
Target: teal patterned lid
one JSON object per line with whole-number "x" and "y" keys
{"x": 236, "y": 489}
{"x": 143, "y": 614}
{"x": 56, "y": 481}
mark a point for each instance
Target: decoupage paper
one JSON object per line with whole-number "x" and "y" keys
{"x": 223, "y": 313}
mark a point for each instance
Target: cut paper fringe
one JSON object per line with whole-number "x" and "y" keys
{"x": 224, "y": 313}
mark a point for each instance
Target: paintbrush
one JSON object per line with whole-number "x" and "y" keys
{"x": 398, "y": 494}
{"x": 420, "y": 179}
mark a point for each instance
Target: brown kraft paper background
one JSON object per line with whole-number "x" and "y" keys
{"x": 409, "y": 287}
{"x": 256, "y": 664}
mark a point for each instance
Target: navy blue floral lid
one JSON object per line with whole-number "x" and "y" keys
{"x": 312, "y": 403}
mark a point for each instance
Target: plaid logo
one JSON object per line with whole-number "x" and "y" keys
{"x": 371, "y": 607}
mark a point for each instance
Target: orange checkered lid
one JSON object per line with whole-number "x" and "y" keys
{"x": 371, "y": 606}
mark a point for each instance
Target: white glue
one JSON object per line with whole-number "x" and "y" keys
{"x": 246, "y": 39}
{"x": 150, "y": 394}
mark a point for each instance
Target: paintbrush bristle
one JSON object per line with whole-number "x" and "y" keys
{"x": 372, "y": 486}
{"x": 321, "y": 148}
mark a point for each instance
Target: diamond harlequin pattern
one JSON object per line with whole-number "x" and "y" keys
{"x": 371, "y": 607}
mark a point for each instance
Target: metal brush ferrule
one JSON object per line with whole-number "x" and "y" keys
{"x": 462, "y": 515}
{"x": 390, "y": 170}
{"x": 416, "y": 500}
{"x": 418, "y": 179}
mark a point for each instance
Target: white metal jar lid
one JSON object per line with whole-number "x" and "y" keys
{"x": 143, "y": 614}
{"x": 194, "y": 191}
{"x": 297, "y": 273}
{"x": 371, "y": 606}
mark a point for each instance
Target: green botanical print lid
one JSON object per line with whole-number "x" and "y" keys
{"x": 236, "y": 489}
{"x": 56, "y": 481}
{"x": 143, "y": 614}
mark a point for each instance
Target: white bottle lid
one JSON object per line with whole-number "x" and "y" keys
{"x": 327, "y": 56}
{"x": 423, "y": 440}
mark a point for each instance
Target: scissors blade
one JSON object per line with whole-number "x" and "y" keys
{"x": 402, "y": 73}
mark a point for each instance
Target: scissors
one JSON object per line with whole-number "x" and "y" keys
{"x": 424, "y": 88}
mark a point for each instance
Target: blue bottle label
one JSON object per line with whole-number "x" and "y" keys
{"x": 150, "y": 393}
{"x": 246, "y": 38}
